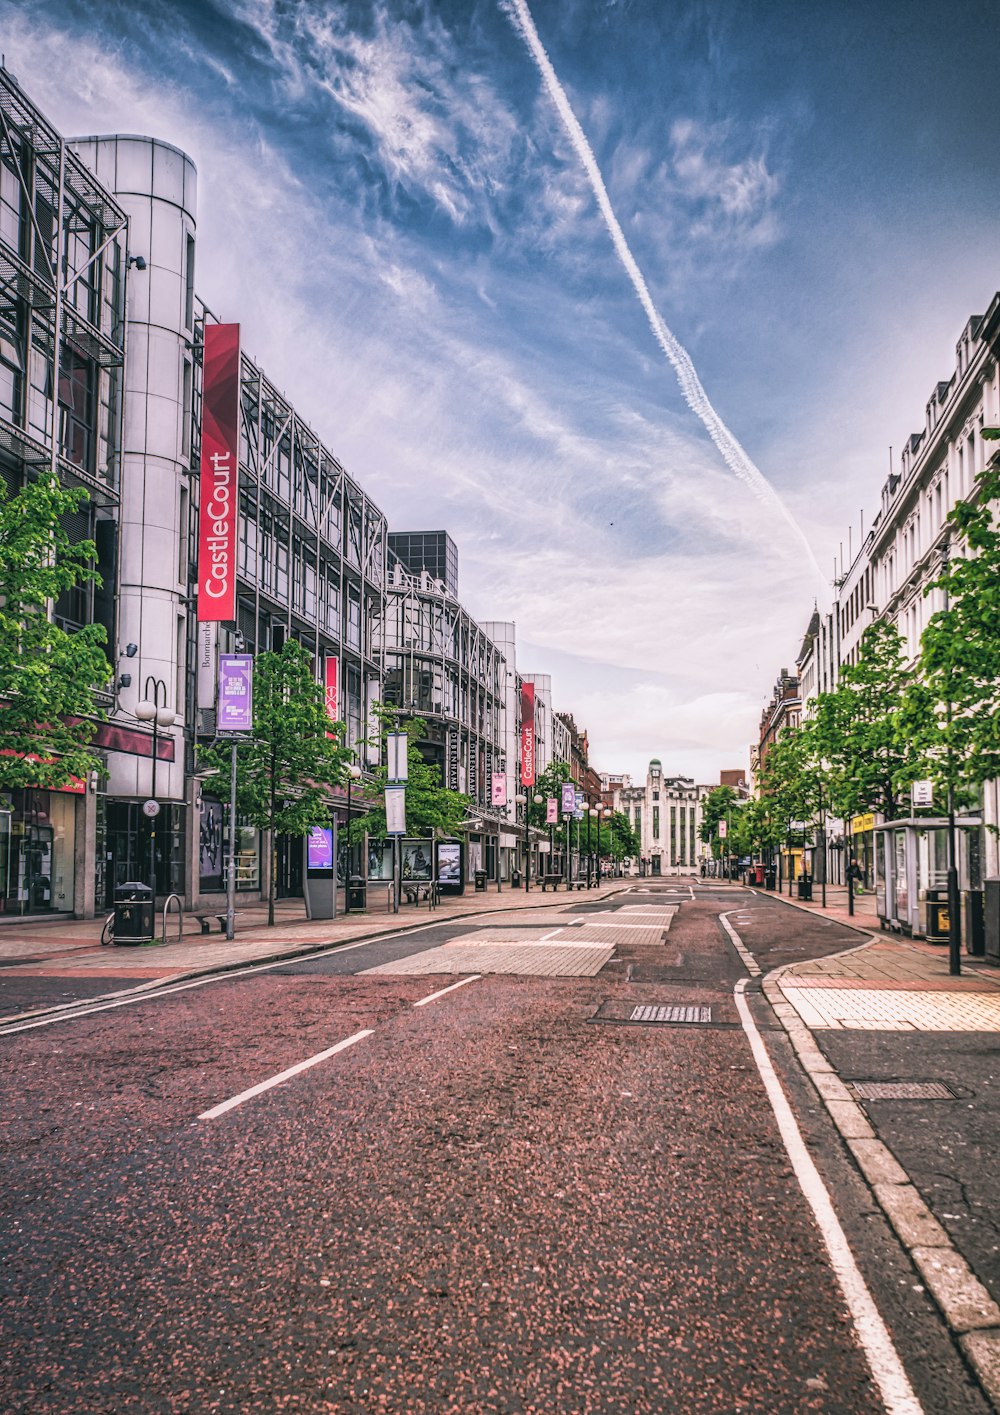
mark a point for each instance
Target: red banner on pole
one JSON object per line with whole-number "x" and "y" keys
{"x": 220, "y": 456}
{"x": 330, "y": 682}
{"x": 527, "y": 734}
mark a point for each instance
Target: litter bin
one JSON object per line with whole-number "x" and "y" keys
{"x": 933, "y": 916}
{"x": 515, "y": 879}
{"x": 992, "y": 921}
{"x": 805, "y": 886}
{"x": 770, "y": 878}
{"x": 357, "y": 895}
{"x": 480, "y": 878}
{"x": 973, "y": 926}
{"x": 133, "y": 913}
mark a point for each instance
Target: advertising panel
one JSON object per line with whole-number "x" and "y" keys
{"x": 450, "y": 866}
{"x": 527, "y": 734}
{"x": 551, "y": 811}
{"x": 235, "y": 710}
{"x": 568, "y": 798}
{"x": 498, "y": 791}
{"x": 220, "y": 451}
{"x": 319, "y": 851}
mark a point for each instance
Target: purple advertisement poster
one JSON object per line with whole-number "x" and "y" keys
{"x": 568, "y": 798}
{"x": 319, "y": 854}
{"x": 235, "y": 693}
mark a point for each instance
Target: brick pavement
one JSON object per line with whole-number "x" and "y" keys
{"x": 895, "y": 987}
{"x": 73, "y": 948}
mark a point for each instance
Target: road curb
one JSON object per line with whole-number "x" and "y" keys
{"x": 152, "y": 985}
{"x": 968, "y": 1310}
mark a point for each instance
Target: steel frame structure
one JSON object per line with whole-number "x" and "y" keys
{"x": 439, "y": 665}
{"x": 312, "y": 543}
{"x": 62, "y": 295}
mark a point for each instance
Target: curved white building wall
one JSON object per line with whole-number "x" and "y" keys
{"x": 157, "y": 186}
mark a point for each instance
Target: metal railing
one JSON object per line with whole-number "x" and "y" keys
{"x": 180, "y": 917}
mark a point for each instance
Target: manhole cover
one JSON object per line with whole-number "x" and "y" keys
{"x": 673, "y": 1012}
{"x": 902, "y": 1091}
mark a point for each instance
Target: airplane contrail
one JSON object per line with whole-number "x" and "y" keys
{"x": 690, "y": 384}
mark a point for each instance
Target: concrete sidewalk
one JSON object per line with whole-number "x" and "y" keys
{"x": 906, "y": 1060}
{"x": 73, "y": 949}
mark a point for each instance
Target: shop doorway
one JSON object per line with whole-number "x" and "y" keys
{"x": 288, "y": 875}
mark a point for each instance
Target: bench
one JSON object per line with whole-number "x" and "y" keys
{"x": 551, "y": 882}
{"x": 206, "y": 922}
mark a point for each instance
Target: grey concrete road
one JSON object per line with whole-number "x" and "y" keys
{"x": 553, "y": 1182}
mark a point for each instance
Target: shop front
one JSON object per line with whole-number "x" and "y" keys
{"x": 37, "y": 850}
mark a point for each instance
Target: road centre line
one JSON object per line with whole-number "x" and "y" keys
{"x": 873, "y": 1335}
{"x": 433, "y": 996}
{"x": 267, "y": 1085}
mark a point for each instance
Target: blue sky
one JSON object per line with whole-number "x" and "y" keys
{"x": 394, "y": 210}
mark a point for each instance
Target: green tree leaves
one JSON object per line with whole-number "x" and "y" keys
{"x": 285, "y": 770}
{"x": 47, "y": 676}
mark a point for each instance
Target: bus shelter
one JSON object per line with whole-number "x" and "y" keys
{"x": 911, "y": 871}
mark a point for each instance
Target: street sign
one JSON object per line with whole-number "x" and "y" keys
{"x": 723, "y": 829}
{"x": 923, "y": 793}
{"x": 397, "y": 747}
{"x": 568, "y": 798}
{"x": 151, "y": 809}
{"x": 395, "y": 810}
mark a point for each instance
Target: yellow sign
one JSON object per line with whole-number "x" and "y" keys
{"x": 860, "y": 824}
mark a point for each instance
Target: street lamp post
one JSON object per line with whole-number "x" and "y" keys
{"x": 151, "y": 710}
{"x": 523, "y": 801}
{"x": 954, "y": 920}
{"x": 539, "y": 800}
{"x": 353, "y": 774}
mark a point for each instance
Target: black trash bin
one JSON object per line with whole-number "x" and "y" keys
{"x": 770, "y": 878}
{"x": 805, "y": 887}
{"x": 934, "y": 923}
{"x": 133, "y": 913}
{"x": 973, "y": 923}
{"x": 515, "y": 879}
{"x": 357, "y": 895}
{"x": 480, "y": 877}
{"x": 991, "y": 912}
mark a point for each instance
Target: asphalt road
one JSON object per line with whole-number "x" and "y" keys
{"x": 509, "y": 1199}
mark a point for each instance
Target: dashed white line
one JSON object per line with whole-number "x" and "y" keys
{"x": 433, "y": 996}
{"x": 272, "y": 1081}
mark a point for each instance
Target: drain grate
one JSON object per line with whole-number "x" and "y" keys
{"x": 674, "y": 1012}
{"x": 902, "y": 1091}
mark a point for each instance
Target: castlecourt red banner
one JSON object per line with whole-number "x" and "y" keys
{"x": 527, "y": 734}
{"x": 220, "y": 453}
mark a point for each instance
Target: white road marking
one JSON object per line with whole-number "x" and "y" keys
{"x": 749, "y": 961}
{"x": 221, "y": 1109}
{"x": 886, "y": 1368}
{"x": 433, "y": 996}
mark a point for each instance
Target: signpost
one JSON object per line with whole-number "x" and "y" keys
{"x": 234, "y": 716}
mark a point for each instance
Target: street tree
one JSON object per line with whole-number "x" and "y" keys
{"x": 952, "y": 712}
{"x": 432, "y": 809}
{"x": 47, "y": 676}
{"x": 549, "y": 786}
{"x": 857, "y": 737}
{"x": 293, "y": 757}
